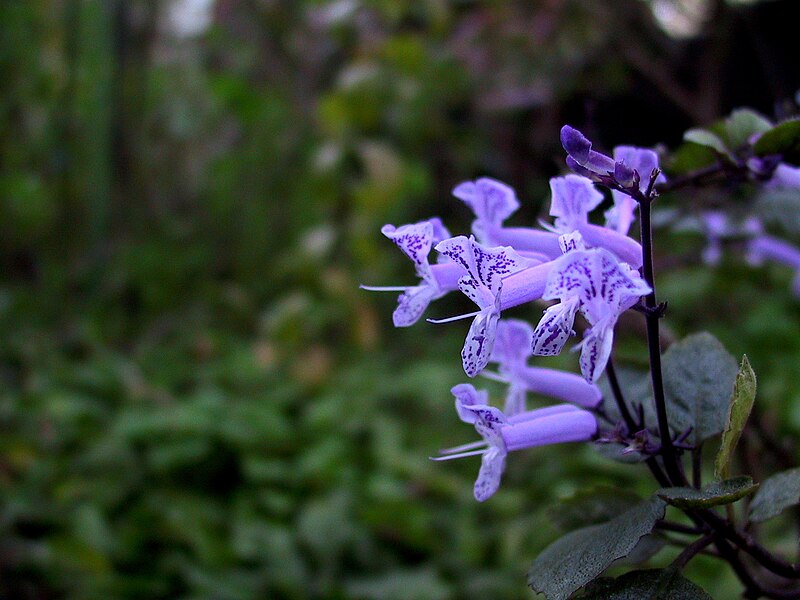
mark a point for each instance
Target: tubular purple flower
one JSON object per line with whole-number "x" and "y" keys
{"x": 493, "y": 202}
{"x": 626, "y": 249}
{"x": 525, "y": 240}
{"x": 784, "y": 177}
{"x": 766, "y": 247}
{"x": 513, "y": 347}
{"x": 416, "y": 240}
{"x": 501, "y": 434}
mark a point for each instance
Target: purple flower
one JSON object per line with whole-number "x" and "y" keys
{"x": 784, "y": 177}
{"x": 512, "y": 349}
{"x": 765, "y": 247}
{"x": 602, "y": 288}
{"x": 629, "y": 170}
{"x": 620, "y": 216}
{"x": 493, "y": 202}
{"x": 416, "y": 240}
{"x": 573, "y": 198}
{"x": 482, "y": 283}
{"x": 503, "y": 434}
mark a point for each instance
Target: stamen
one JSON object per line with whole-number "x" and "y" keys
{"x": 376, "y": 288}
{"x": 462, "y": 455}
{"x": 494, "y": 376}
{"x": 463, "y": 447}
{"x": 457, "y": 318}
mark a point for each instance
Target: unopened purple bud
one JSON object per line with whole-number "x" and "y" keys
{"x": 575, "y": 144}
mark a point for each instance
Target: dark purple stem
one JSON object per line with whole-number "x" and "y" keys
{"x": 671, "y": 463}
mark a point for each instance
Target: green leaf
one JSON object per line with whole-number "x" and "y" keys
{"x": 651, "y": 584}
{"x": 782, "y": 139}
{"x": 707, "y": 139}
{"x": 698, "y": 379}
{"x": 714, "y": 494}
{"x": 777, "y": 493}
{"x": 742, "y": 124}
{"x": 579, "y": 557}
{"x": 591, "y": 506}
{"x": 744, "y": 395}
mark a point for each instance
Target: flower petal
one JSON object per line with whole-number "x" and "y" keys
{"x": 512, "y": 345}
{"x": 480, "y": 339}
{"x": 415, "y": 240}
{"x": 493, "y": 464}
{"x": 491, "y": 201}
{"x": 467, "y": 396}
{"x": 573, "y": 198}
{"x": 595, "y": 350}
{"x": 554, "y": 328}
{"x": 411, "y": 304}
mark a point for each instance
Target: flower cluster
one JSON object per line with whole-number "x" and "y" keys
{"x": 587, "y": 268}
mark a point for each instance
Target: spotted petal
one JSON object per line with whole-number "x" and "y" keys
{"x": 415, "y": 240}
{"x": 596, "y": 349}
{"x": 554, "y": 328}
{"x": 493, "y": 464}
{"x": 480, "y": 339}
{"x": 485, "y": 266}
{"x": 467, "y": 396}
{"x": 411, "y": 304}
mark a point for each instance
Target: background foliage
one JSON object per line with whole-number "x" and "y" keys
{"x": 196, "y": 401}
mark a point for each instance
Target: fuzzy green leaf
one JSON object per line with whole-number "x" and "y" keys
{"x": 579, "y": 557}
{"x": 777, "y": 493}
{"x": 714, "y": 494}
{"x": 591, "y": 506}
{"x": 742, "y": 124}
{"x": 742, "y": 399}
{"x": 698, "y": 381}
{"x": 650, "y": 584}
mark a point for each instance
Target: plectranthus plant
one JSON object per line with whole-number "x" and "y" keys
{"x": 583, "y": 269}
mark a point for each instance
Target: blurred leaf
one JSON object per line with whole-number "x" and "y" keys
{"x": 714, "y": 494}
{"x": 698, "y": 380}
{"x": 776, "y": 494}
{"x": 652, "y": 584}
{"x": 744, "y": 395}
{"x": 580, "y": 556}
{"x": 780, "y": 207}
{"x": 707, "y": 139}
{"x": 423, "y": 583}
{"x": 783, "y": 139}
{"x": 742, "y": 124}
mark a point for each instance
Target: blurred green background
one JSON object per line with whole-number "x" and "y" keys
{"x": 196, "y": 400}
